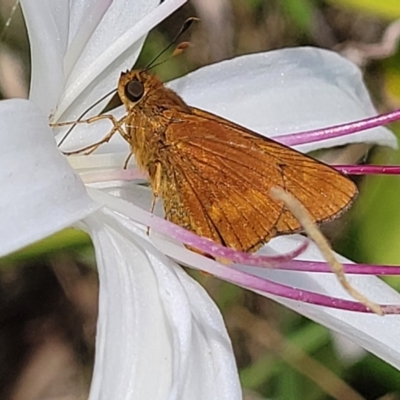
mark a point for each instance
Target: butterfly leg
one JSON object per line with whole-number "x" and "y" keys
{"x": 156, "y": 190}
{"x": 127, "y": 160}
{"x": 91, "y": 148}
{"x": 90, "y": 120}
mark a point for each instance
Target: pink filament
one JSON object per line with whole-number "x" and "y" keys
{"x": 317, "y": 135}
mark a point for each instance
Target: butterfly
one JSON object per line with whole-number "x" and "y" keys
{"x": 215, "y": 176}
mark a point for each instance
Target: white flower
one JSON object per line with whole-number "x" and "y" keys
{"x": 159, "y": 335}
{"x": 155, "y": 323}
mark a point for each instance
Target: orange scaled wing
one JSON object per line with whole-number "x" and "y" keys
{"x": 221, "y": 175}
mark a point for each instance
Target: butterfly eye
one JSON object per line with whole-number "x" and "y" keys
{"x": 134, "y": 90}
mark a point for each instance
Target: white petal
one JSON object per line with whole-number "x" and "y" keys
{"x": 47, "y": 23}
{"x": 40, "y": 192}
{"x": 285, "y": 91}
{"x": 274, "y": 93}
{"x": 113, "y": 47}
{"x": 159, "y": 335}
{"x": 376, "y": 334}
{"x": 84, "y": 24}
{"x": 372, "y": 332}
{"x": 86, "y": 44}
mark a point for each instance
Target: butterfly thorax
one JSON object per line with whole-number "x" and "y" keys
{"x": 151, "y": 108}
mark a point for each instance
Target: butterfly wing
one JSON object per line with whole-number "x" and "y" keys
{"x": 218, "y": 176}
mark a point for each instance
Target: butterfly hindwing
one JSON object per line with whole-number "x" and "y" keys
{"x": 222, "y": 173}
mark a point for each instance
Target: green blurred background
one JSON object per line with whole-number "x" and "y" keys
{"x": 48, "y": 292}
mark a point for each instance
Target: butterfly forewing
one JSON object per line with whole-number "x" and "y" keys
{"x": 223, "y": 175}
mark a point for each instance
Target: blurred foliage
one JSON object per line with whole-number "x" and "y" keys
{"x": 280, "y": 354}
{"x": 389, "y": 9}
{"x": 302, "y": 12}
{"x": 61, "y": 241}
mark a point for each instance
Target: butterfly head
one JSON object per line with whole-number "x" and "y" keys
{"x": 134, "y": 85}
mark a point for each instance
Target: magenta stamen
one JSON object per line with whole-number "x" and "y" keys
{"x": 317, "y": 135}
{"x": 320, "y": 266}
{"x": 264, "y": 285}
{"x": 368, "y": 169}
{"x": 212, "y": 248}
{"x": 227, "y": 272}
{"x": 160, "y": 225}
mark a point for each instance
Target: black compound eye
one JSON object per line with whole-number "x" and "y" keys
{"x": 134, "y": 90}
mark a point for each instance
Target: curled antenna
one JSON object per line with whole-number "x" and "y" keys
{"x": 178, "y": 50}
{"x": 186, "y": 25}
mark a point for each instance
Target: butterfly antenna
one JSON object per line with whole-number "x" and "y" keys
{"x": 178, "y": 50}
{"x": 186, "y": 25}
{"x": 9, "y": 19}
{"x": 83, "y": 114}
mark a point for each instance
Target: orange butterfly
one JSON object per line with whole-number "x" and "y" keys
{"x": 215, "y": 176}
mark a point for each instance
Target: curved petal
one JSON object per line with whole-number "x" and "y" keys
{"x": 274, "y": 93}
{"x": 83, "y": 46}
{"x": 376, "y": 334}
{"x": 372, "y": 332}
{"x": 47, "y": 22}
{"x": 155, "y": 323}
{"x": 40, "y": 192}
{"x": 285, "y": 91}
{"x": 113, "y": 47}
